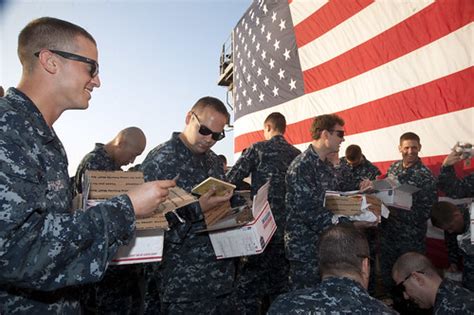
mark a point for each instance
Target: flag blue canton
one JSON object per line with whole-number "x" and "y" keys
{"x": 267, "y": 70}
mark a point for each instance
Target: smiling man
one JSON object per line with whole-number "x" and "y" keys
{"x": 405, "y": 230}
{"x": 47, "y": 248}
{"x": 307, "y": 179}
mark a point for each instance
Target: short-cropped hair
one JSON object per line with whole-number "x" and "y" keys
{"x": 412, "y": 262}
{"x": 442, "y": 213}
{"x": 342, "y": 249}
{"x": 324, "y": 122}
{"x": 409, "y": 136}
{"x": 277, "y": 120}
{"x": 211, "y": 102}
{"x": 48, "y": 33}
{"x": 353, "y": 152}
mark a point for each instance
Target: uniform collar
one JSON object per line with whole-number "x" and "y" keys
{"x": 22, "y": 103}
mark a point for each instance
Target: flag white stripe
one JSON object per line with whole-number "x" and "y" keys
{"x": 438, "y": 135}
{"x": 368, "y": 23}
{"x": 302, "y": 9}
{"x": 453, "y": 52}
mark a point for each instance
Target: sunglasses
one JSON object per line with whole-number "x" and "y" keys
{"x": 339, "y": 133}
{"x": 400, "y": 288}
{"x": 203, "y": 130}
{"x": 94, "y": 70}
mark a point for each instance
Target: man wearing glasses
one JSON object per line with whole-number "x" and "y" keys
{"x": 345, "y": 269}
{"x": 190, "y": 279}
{"x": 308, "y": 177}
{"x": 420, "y": 282}
{"x": 46, "y": 247}
{"x": 405, "y": 230}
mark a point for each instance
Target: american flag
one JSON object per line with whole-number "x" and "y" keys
{"x": 386, "y": 67}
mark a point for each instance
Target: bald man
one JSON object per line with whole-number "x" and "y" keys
{"x": 120, "y": 151}
{"x": 119, "y": 291}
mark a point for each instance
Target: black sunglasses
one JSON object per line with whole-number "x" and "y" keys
{"x": 400, "y": 288}
{"x": 203, "y": 130}
{"x": 339, "y": 133}
{"x": 94, "y": 71}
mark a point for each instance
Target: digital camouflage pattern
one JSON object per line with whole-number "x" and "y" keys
{"x": 466, "y": 249}
{"x": 352, "y": 176}
{"x": 405, "y": 230}
{"x": 452, "y": 299}
{"x": 455, "y": 187}
{"x": 365, "y": 170}
{"x": 189, "y": 270}
{"x": 97, "y": 160}
{"x": 335, "y": 295}
{"x": 46, "y": 248}
{"x": 307, "y": 180}
{"x": 455, "y": 253}
{"x": 266, "y": 273}
{"x": 119, "y": 291}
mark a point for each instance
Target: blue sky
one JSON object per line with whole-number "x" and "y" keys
{"x": 156, "y": 59}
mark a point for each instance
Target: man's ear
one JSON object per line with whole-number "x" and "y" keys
{"x": 48, "y": 61}
{"x": 419, "y": 278}
{"x": 188, "y": 117}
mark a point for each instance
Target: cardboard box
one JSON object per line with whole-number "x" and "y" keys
{"x": 353, "y": 205}
{"x": 392, "y": 194}
{"x": 101, "y": 185}
{"x": 146, "y": 246}
{"x": 108, "y": 184}
{"x": 244, "y": 232}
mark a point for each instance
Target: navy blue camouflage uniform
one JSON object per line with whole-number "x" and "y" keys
{"x": 119, "y": 291}
{"x": 265, "y": 274}
{"x": 455, "y": 187}
{"x": 46, "y": 248}
{"x": 334, "y": 295}
{"x": 98, "y": 160}
{"x": 455, "y": 253}
{"x": 405, "y": 230}
{"x": 452, "y": 299}
{"x": 191, "y": 279}
{"x": 352, "y": 176}
{"x": 365, "y": 170}
{"x": 307, "y": 180}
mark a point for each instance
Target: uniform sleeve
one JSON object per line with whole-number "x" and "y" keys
{"x": 454, "y": 187}
{"x": 46, "y": 249}
{"x": 243, "y": 167}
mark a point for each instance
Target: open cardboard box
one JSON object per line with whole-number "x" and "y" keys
{"x": 244, "y": 231}
{"x": 394, "y": 194}
{"x": 355, "y": 206}
{"x": 147, "y": 243}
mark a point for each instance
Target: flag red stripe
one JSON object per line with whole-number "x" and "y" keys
{"x": 327, "y": 17}
{"x": 428, "y": 25}
{"x": 447, "y": 94}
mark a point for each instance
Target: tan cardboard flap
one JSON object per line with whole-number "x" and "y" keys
{"x": 106, "y": 184}
{"x": 352, "y": 205}
{"x": 343, "y": 205}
